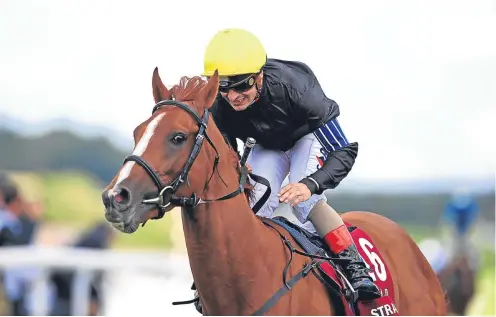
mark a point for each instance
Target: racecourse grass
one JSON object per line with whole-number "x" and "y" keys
{"x": 483, "y": 302}
{"x": 73, "y": 199}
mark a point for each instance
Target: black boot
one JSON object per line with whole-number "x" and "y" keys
{"x": 357, "y": 274}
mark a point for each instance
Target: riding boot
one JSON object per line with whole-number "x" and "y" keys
{"x": 341, "y": 244}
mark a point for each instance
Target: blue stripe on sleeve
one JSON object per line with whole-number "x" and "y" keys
{"x": 331, "y": 136}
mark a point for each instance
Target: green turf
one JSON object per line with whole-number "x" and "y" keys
{"x": 73, "y": 199}
{"x": 483, "y": 302}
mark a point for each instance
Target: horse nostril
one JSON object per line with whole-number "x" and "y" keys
{"x": 121, "y": 198}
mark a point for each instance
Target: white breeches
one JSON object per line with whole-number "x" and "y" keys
{"x": 303, "y": 159}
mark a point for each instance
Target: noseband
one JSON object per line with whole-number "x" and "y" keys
{"x": 166, "y": 193}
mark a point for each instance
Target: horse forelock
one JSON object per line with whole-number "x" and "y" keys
{"x": 188, "y": 88}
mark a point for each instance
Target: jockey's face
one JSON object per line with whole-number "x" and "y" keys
{"x": 241, "y": 100}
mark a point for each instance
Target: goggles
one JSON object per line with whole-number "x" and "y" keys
{"x": 239, "y": 83}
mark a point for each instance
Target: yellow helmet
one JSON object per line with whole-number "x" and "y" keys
{"x": 234, "y": 52}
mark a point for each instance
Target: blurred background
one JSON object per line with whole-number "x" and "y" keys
{"x": 414, "y": 80}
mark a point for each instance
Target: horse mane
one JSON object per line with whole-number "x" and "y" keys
{"x": 187, "y": 89}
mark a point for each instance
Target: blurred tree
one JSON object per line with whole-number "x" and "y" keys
{"x": 60, "y": 150}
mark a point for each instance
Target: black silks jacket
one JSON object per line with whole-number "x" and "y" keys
{"x": 291, "y": 105}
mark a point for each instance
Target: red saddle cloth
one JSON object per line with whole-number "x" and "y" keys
{"x": 383, "y": 306}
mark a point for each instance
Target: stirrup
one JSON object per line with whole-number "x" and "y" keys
{"x": 351, "y": 293}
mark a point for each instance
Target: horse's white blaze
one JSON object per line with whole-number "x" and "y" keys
{"x": 140, "y": 148}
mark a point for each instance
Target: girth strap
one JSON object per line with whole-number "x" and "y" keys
{"x": 284, "y": 289}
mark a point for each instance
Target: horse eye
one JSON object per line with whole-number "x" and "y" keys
{"x": 178, "y": 139}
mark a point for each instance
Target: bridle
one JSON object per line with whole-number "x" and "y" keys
{"x": 166, "y": 196}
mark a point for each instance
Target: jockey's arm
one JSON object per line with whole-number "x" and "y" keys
{"x": 336, "y": 167}
{"x": 315, "y": 105}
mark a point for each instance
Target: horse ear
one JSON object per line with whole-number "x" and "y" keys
{"x": 160, "y": 92}
{"x": 210, "y": 90}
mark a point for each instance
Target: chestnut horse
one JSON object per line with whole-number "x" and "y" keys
{"x": 236, "y": 261}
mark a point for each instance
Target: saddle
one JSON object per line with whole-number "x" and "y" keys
{"x": 331, "y": 274}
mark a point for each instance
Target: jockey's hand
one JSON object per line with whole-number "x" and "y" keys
{"x": 294, "y": 194}
{"x": 248, "y": 167}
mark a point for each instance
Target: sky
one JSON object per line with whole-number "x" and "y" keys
{"x": 414, "y": 79}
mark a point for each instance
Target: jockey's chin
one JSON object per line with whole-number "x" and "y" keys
{"x": 240, "y": 101}
{"x": 241, "y": 106}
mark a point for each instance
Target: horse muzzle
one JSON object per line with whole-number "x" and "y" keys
{"x": 121, "y": 211}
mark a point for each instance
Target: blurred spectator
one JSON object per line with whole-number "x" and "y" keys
{"x": 23, "y": 217}
{"x": 17, "y": 227}
{"x": 461, "y": 211}
{"x": 98, "y": 237}
{"x": 18, "y": 223}
{"x": 10, "y": 226}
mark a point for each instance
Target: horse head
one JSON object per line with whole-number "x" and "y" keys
{"x": 169, "y": 147}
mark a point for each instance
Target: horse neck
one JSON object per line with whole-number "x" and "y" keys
{"x": 224, "y": 240}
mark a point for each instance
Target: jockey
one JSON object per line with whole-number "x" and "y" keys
{"x": 282, "y": 106}
{"x": 461, "y": 210}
